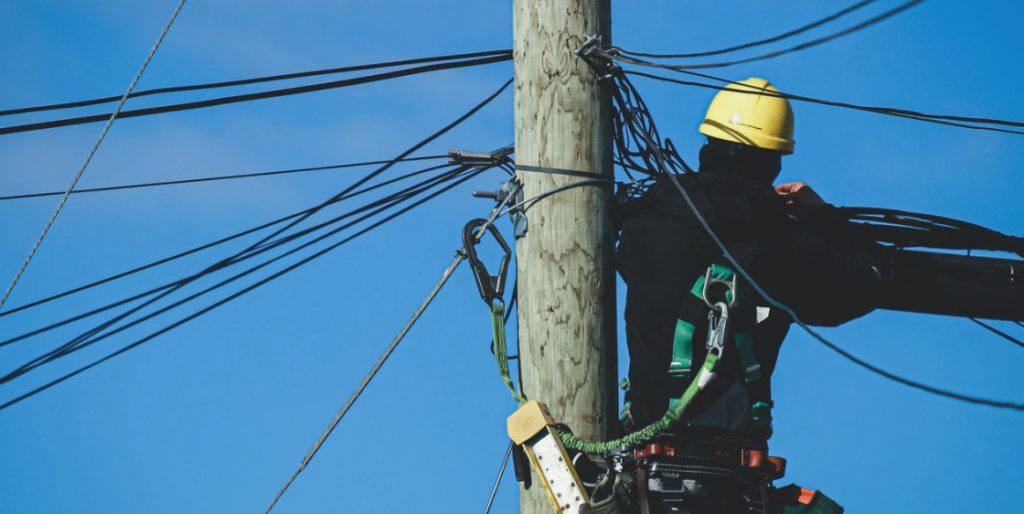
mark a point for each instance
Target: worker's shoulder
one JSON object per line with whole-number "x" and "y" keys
{"x": 716, "y": 196}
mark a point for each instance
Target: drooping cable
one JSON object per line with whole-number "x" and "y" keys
{"x": 247, "y": 97}
{"x": 656, "y": 149}
{"x": 229, "y": 298}
{"x": 196, "y": 275}
{"x": 298, "y": 217}
{"x": 256, "y": 80}
{"x": 971, "y": 123}
{"x": 459, "y": 257}
{"x": 95, "y": 334}
{"x": 760, "y": 42}
{"x": 998, "y": 332}
{"x": 497, "y": 480}
{"x": 802, "y": 46}
{"x": 217, "y": 178}
{"x": 88, "y": 158}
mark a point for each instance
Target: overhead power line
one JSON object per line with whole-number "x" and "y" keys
{"x": 227, "y": 299}
{"x": 247, "y": 97}
{"x": 372, "y": 209}
{"x": 940, "y": 119}
{"x": 177, "y": 256}
{"x": 88, "y": 158}
{"x": 197, "y": 180}
{"x": 803, "y": 46}
{"x": 459, "y": 257}
{"x": 94, "y": 334}
{"x": 293, "y": 218}
{"x": 255, "y": 80}
{"x": 998, "y": 332}
{"x": 752, "y": 44}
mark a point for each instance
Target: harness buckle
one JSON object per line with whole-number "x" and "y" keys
{"x": 491, "y": 287}
{"x": 711, "y": 279}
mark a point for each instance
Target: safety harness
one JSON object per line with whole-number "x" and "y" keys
{"x": 730, "y": 315}
{"x": 733, "y": 307}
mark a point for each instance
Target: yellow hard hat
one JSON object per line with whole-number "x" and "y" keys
{"x": 739, "y": 113}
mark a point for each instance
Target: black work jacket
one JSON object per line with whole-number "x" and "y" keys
{"x": 825, "y": 277}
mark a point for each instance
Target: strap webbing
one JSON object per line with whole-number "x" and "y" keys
{"x": 501, "y": 349}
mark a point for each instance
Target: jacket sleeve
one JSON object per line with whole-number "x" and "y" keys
{"x": 827, "y": 277}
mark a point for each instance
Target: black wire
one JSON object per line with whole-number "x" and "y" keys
{"x": 406, "y": 153}
{"x": 220, "y": 177}
{"x": 655, "y": 148}
{"x": 296, "y": 217}
{"x": 242, "y": 82}
{"x": 998, "y": 332}
{"x": 171, "y": 258}
{"x": 809, "y": 44}
{"x": 172, "y": 286}
{"x": 899, "y": 113}
{"x": 748, "y": 89}
{"x": 255, "y": 249}
{"x": 93, "y": 335}
{"x": 334, "y": 84}
{"x": 229, "y": 298}
{"x": 760, "y": 42}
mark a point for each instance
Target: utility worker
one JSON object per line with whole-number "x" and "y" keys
{"x": 716, "y": 460}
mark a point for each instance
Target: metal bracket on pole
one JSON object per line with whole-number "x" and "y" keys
{"x": 533, "y": 428}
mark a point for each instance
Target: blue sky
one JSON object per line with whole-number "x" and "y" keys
{"x": 215, "y": 415}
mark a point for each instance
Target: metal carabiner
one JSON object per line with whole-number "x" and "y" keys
{"x": 718, "y": 319}
{"x": 491, "y": 287}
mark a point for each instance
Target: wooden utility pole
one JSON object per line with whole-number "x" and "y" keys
{"x": 566, "y": 281}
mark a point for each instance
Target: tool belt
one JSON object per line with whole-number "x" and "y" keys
{"x": 722, "y": 455}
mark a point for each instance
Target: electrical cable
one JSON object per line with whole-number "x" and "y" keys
{"x": 998, "y": 332}
{"x": 220, "y": 177}
{"x": 809, "y": 44}
{"x": 193, "y": 276}
{"x": 93, "y": 335}
{"x": 295, "y": 90}
{"x": 458, "y": 121}
{"x": 88, "y": 158}
{"x": 302, "y": 215}
{"x": 497, "y": 481}
{"x": 459, "y": 257}
{"x": 608, "y": 55}
{"x": 655, "y": 148}
{"x": 256, "y": 80}
{"x": 888, "y": 111}
{"x": 227, "y": 299}
{"x": 773, "y": 39}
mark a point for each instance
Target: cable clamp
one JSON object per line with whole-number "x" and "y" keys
{"x": 481, "y": 160}
{"x": 598, "y": 57}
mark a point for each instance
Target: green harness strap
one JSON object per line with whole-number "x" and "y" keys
{"x": 673, "y": 415}
{"x": 681, "y": 365}
{"x": 501, "y": 349}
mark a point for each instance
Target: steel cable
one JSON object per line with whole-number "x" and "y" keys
{"x": 88, "y": 158}
{"x": 459, "y": 257}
